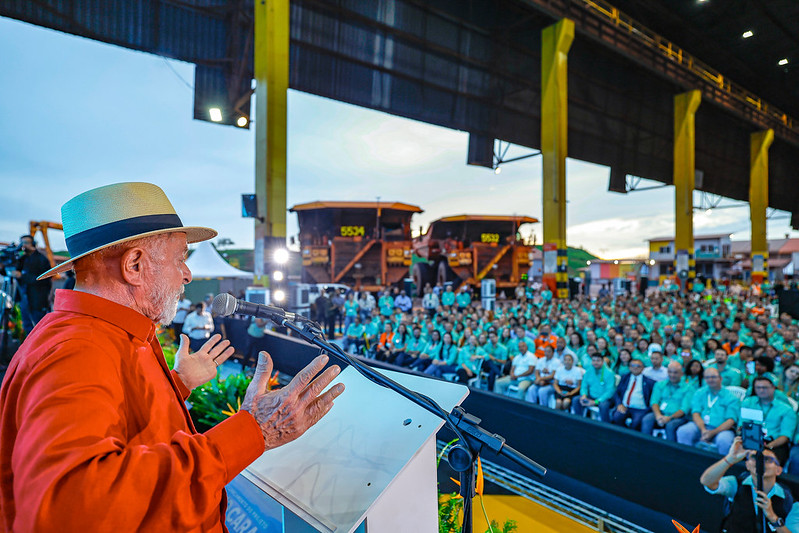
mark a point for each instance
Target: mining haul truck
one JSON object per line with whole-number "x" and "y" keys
{"x": 467, "y": 248}
{"x": 366, "y": 245}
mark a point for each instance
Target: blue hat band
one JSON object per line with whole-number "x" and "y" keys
{"x": 100, "y": 236}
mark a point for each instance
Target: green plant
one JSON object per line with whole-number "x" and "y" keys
{"x": 169, "y": 355}
{"x": 14, "y": 326}
{"x": 508, "y": 527}
{"x": 450, "y": 507}
{"x": 167, "y": 342}
{"x": 218, "y": 399}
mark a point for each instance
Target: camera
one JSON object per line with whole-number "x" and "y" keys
{"x": 752, "y": 435}
{"x": 10, "y": 255}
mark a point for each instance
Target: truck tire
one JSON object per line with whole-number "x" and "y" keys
{"x": 444, "y": 273}
{"x": 422, "y": 274}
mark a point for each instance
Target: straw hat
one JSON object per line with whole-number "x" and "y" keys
{"x": 116, "y": 213}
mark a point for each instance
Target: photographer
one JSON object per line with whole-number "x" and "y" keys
{"x": 775, "y": 500}
{"x": 34, "y": 295}
{"x": 779, "y": 420}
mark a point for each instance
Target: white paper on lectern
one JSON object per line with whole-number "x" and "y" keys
{"x": 335, "y": 472}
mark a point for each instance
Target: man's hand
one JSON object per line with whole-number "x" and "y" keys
{"x": 707, "y": 435}
{"x": 199, "y": 367}
{"x": 621, "y": 408}
{"x": 764, "y": 503}
{"x": 16, "y": 274}
{"x": 287, "y": 413}
{"x": 662, "y": 420}
{"x": 737, "y": 452}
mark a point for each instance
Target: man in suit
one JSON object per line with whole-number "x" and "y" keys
{"x": 632, "y": 396}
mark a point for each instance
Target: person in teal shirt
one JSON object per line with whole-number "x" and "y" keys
{"x": 729, "y": 376}
{"x": 351, "y": 308}
{"x": 432, "y": 350}
{"x": 413, "y": 348}
{"x": 693, "y": 374}
{"x": 622, "y": 364}
{"x": 714, "y": 412}
{"x": 354, "y": 335}
{"x": 370, "y": 330}
{"x": 464, "y": 299}
{"x": 497, "y": 358}
{"x": 670, "y": 401}
{"x": 546, "y": 294}
{"x": 779, "y": 419}
{"x": 597, "y": 388}
{"x": 386, "y": 304}
{"x": 470, "y": 359}
{"x": 447, "y": 359}
{"x": 448, "y": 298}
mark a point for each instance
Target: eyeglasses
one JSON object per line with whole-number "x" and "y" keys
{"x": 636, "y": 365}
{"x": 766, "y": 458}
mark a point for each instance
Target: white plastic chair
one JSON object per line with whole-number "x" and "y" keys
{"x": 738, "y": 392}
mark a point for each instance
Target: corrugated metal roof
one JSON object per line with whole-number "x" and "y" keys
{"x": 472, "y": 66}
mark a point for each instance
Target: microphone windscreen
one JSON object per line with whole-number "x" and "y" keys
{"x": 224, "y": 304}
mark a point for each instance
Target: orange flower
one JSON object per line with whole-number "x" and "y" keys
{"x": 273, "y": 381}
{"x": 682, "y": 529}
{"x": 478, "y": 486}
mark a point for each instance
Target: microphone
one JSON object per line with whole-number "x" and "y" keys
{"x": 226, "y": 304}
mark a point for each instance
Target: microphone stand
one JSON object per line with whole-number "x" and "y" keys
{"x": 463, "y": 456}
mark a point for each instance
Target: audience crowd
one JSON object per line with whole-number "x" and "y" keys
{"x": 679, "y": 366}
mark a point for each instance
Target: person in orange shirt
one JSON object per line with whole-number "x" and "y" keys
{"x": 732, "y": 346}
{"x": 94, "y": 431}
{"x": 384, "y": 344}
{"x": 544, "y": 339}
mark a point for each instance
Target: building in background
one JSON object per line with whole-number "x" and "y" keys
{"x": 719, "y": 257}
{"x": 713, "y": 253}
{"x": 783, "y": 259}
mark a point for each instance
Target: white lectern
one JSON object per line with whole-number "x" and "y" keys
{"x": 372, "y": 458}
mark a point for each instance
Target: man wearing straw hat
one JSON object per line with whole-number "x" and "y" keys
{"x": 94, "y": 433}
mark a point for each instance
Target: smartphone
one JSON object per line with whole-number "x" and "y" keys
{"x": 752, "y": 435}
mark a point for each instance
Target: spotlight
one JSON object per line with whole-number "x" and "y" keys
{"x": 615, "y": 261}
{"x": 277, "y": 275}
{"x": 241, "y": 122}
{"x": 782, "y": 62}
{"x": 708, "y": 212}
{"x": 497, "y": 170}
{"x": 279, "y": 296}
{"x": 216, "y": 114}
{"x": 588, "y": 263}
{"x": 281, "y": 256}
{"x": 651, "y": 262}
{"x": 747, "y": 34}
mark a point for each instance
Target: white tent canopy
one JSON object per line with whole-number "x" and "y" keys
{"x": 205, "y": 262}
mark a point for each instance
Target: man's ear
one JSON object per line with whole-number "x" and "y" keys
{"x": 132, "y": 264}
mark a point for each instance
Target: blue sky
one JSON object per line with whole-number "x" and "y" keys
{"x": 77, "y": 114}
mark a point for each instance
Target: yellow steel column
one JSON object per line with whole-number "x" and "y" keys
{"x": 271, "y": 69}
{"x": 555, "y": 43}
{"x": 758, "y": 201}
{"x": 685, "y": 106}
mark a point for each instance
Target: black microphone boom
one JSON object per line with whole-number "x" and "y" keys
{"x": 226, "y": 304}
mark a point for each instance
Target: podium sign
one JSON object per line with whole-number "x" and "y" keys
{"x": 372, "y": 457}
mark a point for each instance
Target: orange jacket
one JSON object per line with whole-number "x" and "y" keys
{"x": 541, "y": 342}
{"x": 729, "y": 349}
{"x": 385, "y": 338}
{"x": 95, "y": 436}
